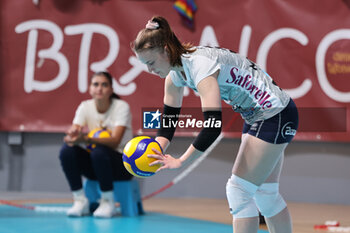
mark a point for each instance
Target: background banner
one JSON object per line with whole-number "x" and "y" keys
{"x": 50, "y": 49}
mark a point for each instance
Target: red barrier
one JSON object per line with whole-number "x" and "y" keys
{"x": 48, "y": 51}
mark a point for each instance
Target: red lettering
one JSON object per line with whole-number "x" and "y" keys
{"x": 253, "y": 88}
{"x": 239, "y": 80}
{"x": 245, "y": 79}
{"x": 246, "y": 83}
{"x": 262, "y": 102}
{"x": 267, "y": 104}
{"x": 258, "y": 94}
{"x": 263, "y": 95}
{"x": 232, "y": 75}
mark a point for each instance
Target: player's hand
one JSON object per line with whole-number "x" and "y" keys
{"x": 74, "y": 135}
{"x": 166, "y": 161}
{"x": 74, "y": 131}
{"x": 72, "y": 139}
{"x": 68, "y": 140}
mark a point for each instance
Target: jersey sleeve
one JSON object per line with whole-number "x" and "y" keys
{"x": 80, "y": 115}
{"x": 123, "y": 114}
{"x": 177, "y": 79}
{"x": 202, "y": 67}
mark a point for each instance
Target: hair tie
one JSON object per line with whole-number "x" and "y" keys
{"x": 152, "y": 25}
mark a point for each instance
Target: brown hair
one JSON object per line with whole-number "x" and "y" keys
{"x": 160, "y": 37}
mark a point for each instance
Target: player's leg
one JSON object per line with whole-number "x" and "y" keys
{"x": 255, "y": 162}
{"x": 74, "y": 161}
{"x": 101, "y": 158}
{"x": 258, "y": 161}
{"x": 277, "y": 217}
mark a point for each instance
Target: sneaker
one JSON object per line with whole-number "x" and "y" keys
{"x": 106, "y": 209}
{"x": 80, "y": 207}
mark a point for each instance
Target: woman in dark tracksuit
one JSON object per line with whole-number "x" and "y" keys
{"x": 104, "y": 162}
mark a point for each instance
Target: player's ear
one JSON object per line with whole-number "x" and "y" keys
{"x": 166, "y": 50}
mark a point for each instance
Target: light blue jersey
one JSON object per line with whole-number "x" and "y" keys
{"x": 243, "y": 85}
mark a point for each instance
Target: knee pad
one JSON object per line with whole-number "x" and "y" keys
{"x": 240, "y": 194}
{"x": 268, "y": 199}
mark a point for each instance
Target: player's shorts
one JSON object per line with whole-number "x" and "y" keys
{"x": 278, "y": 129}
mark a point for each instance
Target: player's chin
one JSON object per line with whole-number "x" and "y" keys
{"x": 100, "y": 97}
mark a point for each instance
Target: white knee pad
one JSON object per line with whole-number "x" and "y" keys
{"x": 240, "y": 194}
{"x": 268, "y": 199}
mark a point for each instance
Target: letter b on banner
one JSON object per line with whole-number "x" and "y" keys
{"x": 54, "y": 53}
{"x": 51, "y": 53}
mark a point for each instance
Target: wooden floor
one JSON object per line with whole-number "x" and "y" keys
{"x": 304, "y": 215}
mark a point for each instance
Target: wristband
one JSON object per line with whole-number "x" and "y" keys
{"x": 208, "y": 134}
{"x": 169, "y": 114}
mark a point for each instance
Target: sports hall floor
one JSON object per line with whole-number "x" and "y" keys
{"x": 162, "y": 215}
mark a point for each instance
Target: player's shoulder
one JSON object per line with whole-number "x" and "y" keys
{"x": 119, "y": 103}
{"x": 87, "y": 103}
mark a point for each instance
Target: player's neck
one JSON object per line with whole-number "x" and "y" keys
{"x": 102, "y": 106}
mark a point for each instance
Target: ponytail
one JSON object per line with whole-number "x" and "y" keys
{"x": 158, "y": 35}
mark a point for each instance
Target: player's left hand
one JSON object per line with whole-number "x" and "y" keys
{"x": 166, "y": 161}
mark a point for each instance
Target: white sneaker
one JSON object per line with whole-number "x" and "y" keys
{"x": 106, "y": 209}
{"x": 80, "y": 207}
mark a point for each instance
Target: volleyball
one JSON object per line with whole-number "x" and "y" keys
{"x": 97, "y": 133}
{"x": 135, "y": 156}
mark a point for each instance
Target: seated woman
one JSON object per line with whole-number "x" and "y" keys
{"x": 104, "y": 162}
